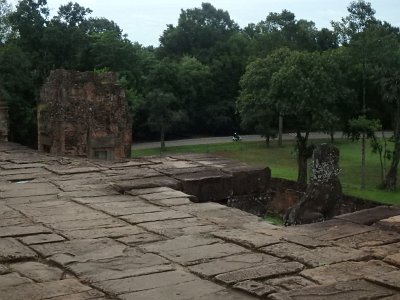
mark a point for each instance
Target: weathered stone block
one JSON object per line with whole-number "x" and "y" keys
{"x": 232, "y": 263}
{"x": 84, "y": 114}
{"x": 343, "y": 290}
{"x": 247, "y": 180}
{"x": 207, "y": 186}
{"x": 11, "y": 249}
{"x": 347, "y": 271}
{"x": 371, "y": 216}
{"x": 261, "y": 272}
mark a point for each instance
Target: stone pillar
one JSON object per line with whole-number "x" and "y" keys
{"x": 323, "y": 192}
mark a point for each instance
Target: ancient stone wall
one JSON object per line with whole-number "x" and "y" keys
{"x": 3, "y": 121}
{"x": 84, "y": 114}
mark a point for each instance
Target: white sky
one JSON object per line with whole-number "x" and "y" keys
{"x": 145, "y": 20}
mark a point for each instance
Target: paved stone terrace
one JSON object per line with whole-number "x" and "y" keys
{"x": 67, "y": 232}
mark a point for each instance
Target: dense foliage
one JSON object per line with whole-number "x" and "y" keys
{"x": 209, "y": 76}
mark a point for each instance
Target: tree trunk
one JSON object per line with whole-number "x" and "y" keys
{"x": 391, "y": 176}
{"x": 280, "y": 131}
{"x": 267, "y": 139}
{"x": 332, "y": 134}
{"x": 364, "y": 112}
{"x": 363, "y": 161}
{"x": 162, "y": 139}
{"x": 302, "y": 157}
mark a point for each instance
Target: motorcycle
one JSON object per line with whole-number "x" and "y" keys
{"x": 236, "y": 138}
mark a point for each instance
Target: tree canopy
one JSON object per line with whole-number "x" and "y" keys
{"x": 210, "y": 73}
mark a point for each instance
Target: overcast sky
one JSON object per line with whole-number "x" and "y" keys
{"x": 145, "y": 20}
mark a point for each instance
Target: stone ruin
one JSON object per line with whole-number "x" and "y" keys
{"x": 3, "y": 121}
{"x": 323, "y": 192}
{"x": 84, "y": 114}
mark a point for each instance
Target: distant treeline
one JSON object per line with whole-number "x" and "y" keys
{"x": 196, "y": 82}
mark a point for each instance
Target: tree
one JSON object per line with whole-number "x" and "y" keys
{"x": 164, "y": 113}
{"x": 391, "y": 87}
{"x": 303, "y": 86}
{"x": 72, "y": 14}
{"x": 212, "y": 37}
{"x": 5, "y": 30}
{"x": 197, "y": 32}
{"x": 364, "y": 128}
{"x": 29, "y": 21}
{"x": 254, "y": 103}
{"x": 16, "y": 87}
{"x": 361, "y": 14}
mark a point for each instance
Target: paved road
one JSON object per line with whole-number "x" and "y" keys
{"x": 224, "y": 139}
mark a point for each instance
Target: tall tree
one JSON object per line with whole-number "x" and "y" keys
{"x": 391, "y": 88}
{"x": 304, "y": 86}
{"x": 350, "y": 31}
{"x": 5, "y": 30}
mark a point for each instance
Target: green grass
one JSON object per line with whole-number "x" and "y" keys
{"x": 282, "y": 161}
{"x": 274, "y": 219}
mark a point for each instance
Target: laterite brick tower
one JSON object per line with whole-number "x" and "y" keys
{"x": 84, "y": 114}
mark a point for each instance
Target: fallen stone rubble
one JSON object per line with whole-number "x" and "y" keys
{"x": 144, "y": 229}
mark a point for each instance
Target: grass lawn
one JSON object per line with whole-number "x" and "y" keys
{"x": 282, "y": 161}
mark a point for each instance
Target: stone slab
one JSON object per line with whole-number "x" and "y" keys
{"x": 261, "y": 272}
{"x": 181, "y": 291}
{"x": 134, "y": 264}
{"x": 179, "y": 243}
{"x": 371, "y": 216}
{"x": 41, "y": 239}
{"x": 343, "y": 290}
{"x": 123, "y": 209}
{"x": 11, "y": 249}
{"x": 289, "y": 283}
{"x": 81, "y": 250}
{"x": 113, "y": 232}
{"x": 346, "y": 271}
{"x": 207, "y": 186}
{"x": 393, "y": 259}
{"x": 101, "y": 222}
{"x": 328, "y": 255}
{"x": 340, "y": 231}
{"x": 247, "y": 238}
{"x": 155, "y": 216}
{"x": 284, "y": 250}
{"x": 369, "y": 239}
{"x": 141, "y": 238}
{"x": 76, "y": 217}
{"x": 232, "y": 263}
{"x": 392, "y": 223}
{"x": 37, "y": 271}
{"x": 255, "y": 288}
{"x": 12, "y": 281}
{"x": 306, "y": 241}
{"x": 226, "y": 294}
{"x": 89, "y": 295}
{"x": 203, "y": 253}
{"x": 152, "y": 182}
{"x": 144, "y": 191}
{"x": 176, "y": 228}
{"x": 390, "y": 279}
{"x": 47, "y": 290}
{"x": 164, "y": 195}
{"x": 172, "y": 202}
{"x": 381, "y": 252}
{"x": 247, "y": 180}
{"x": 19, "y": 191}
{"x": 146, "y": 282}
